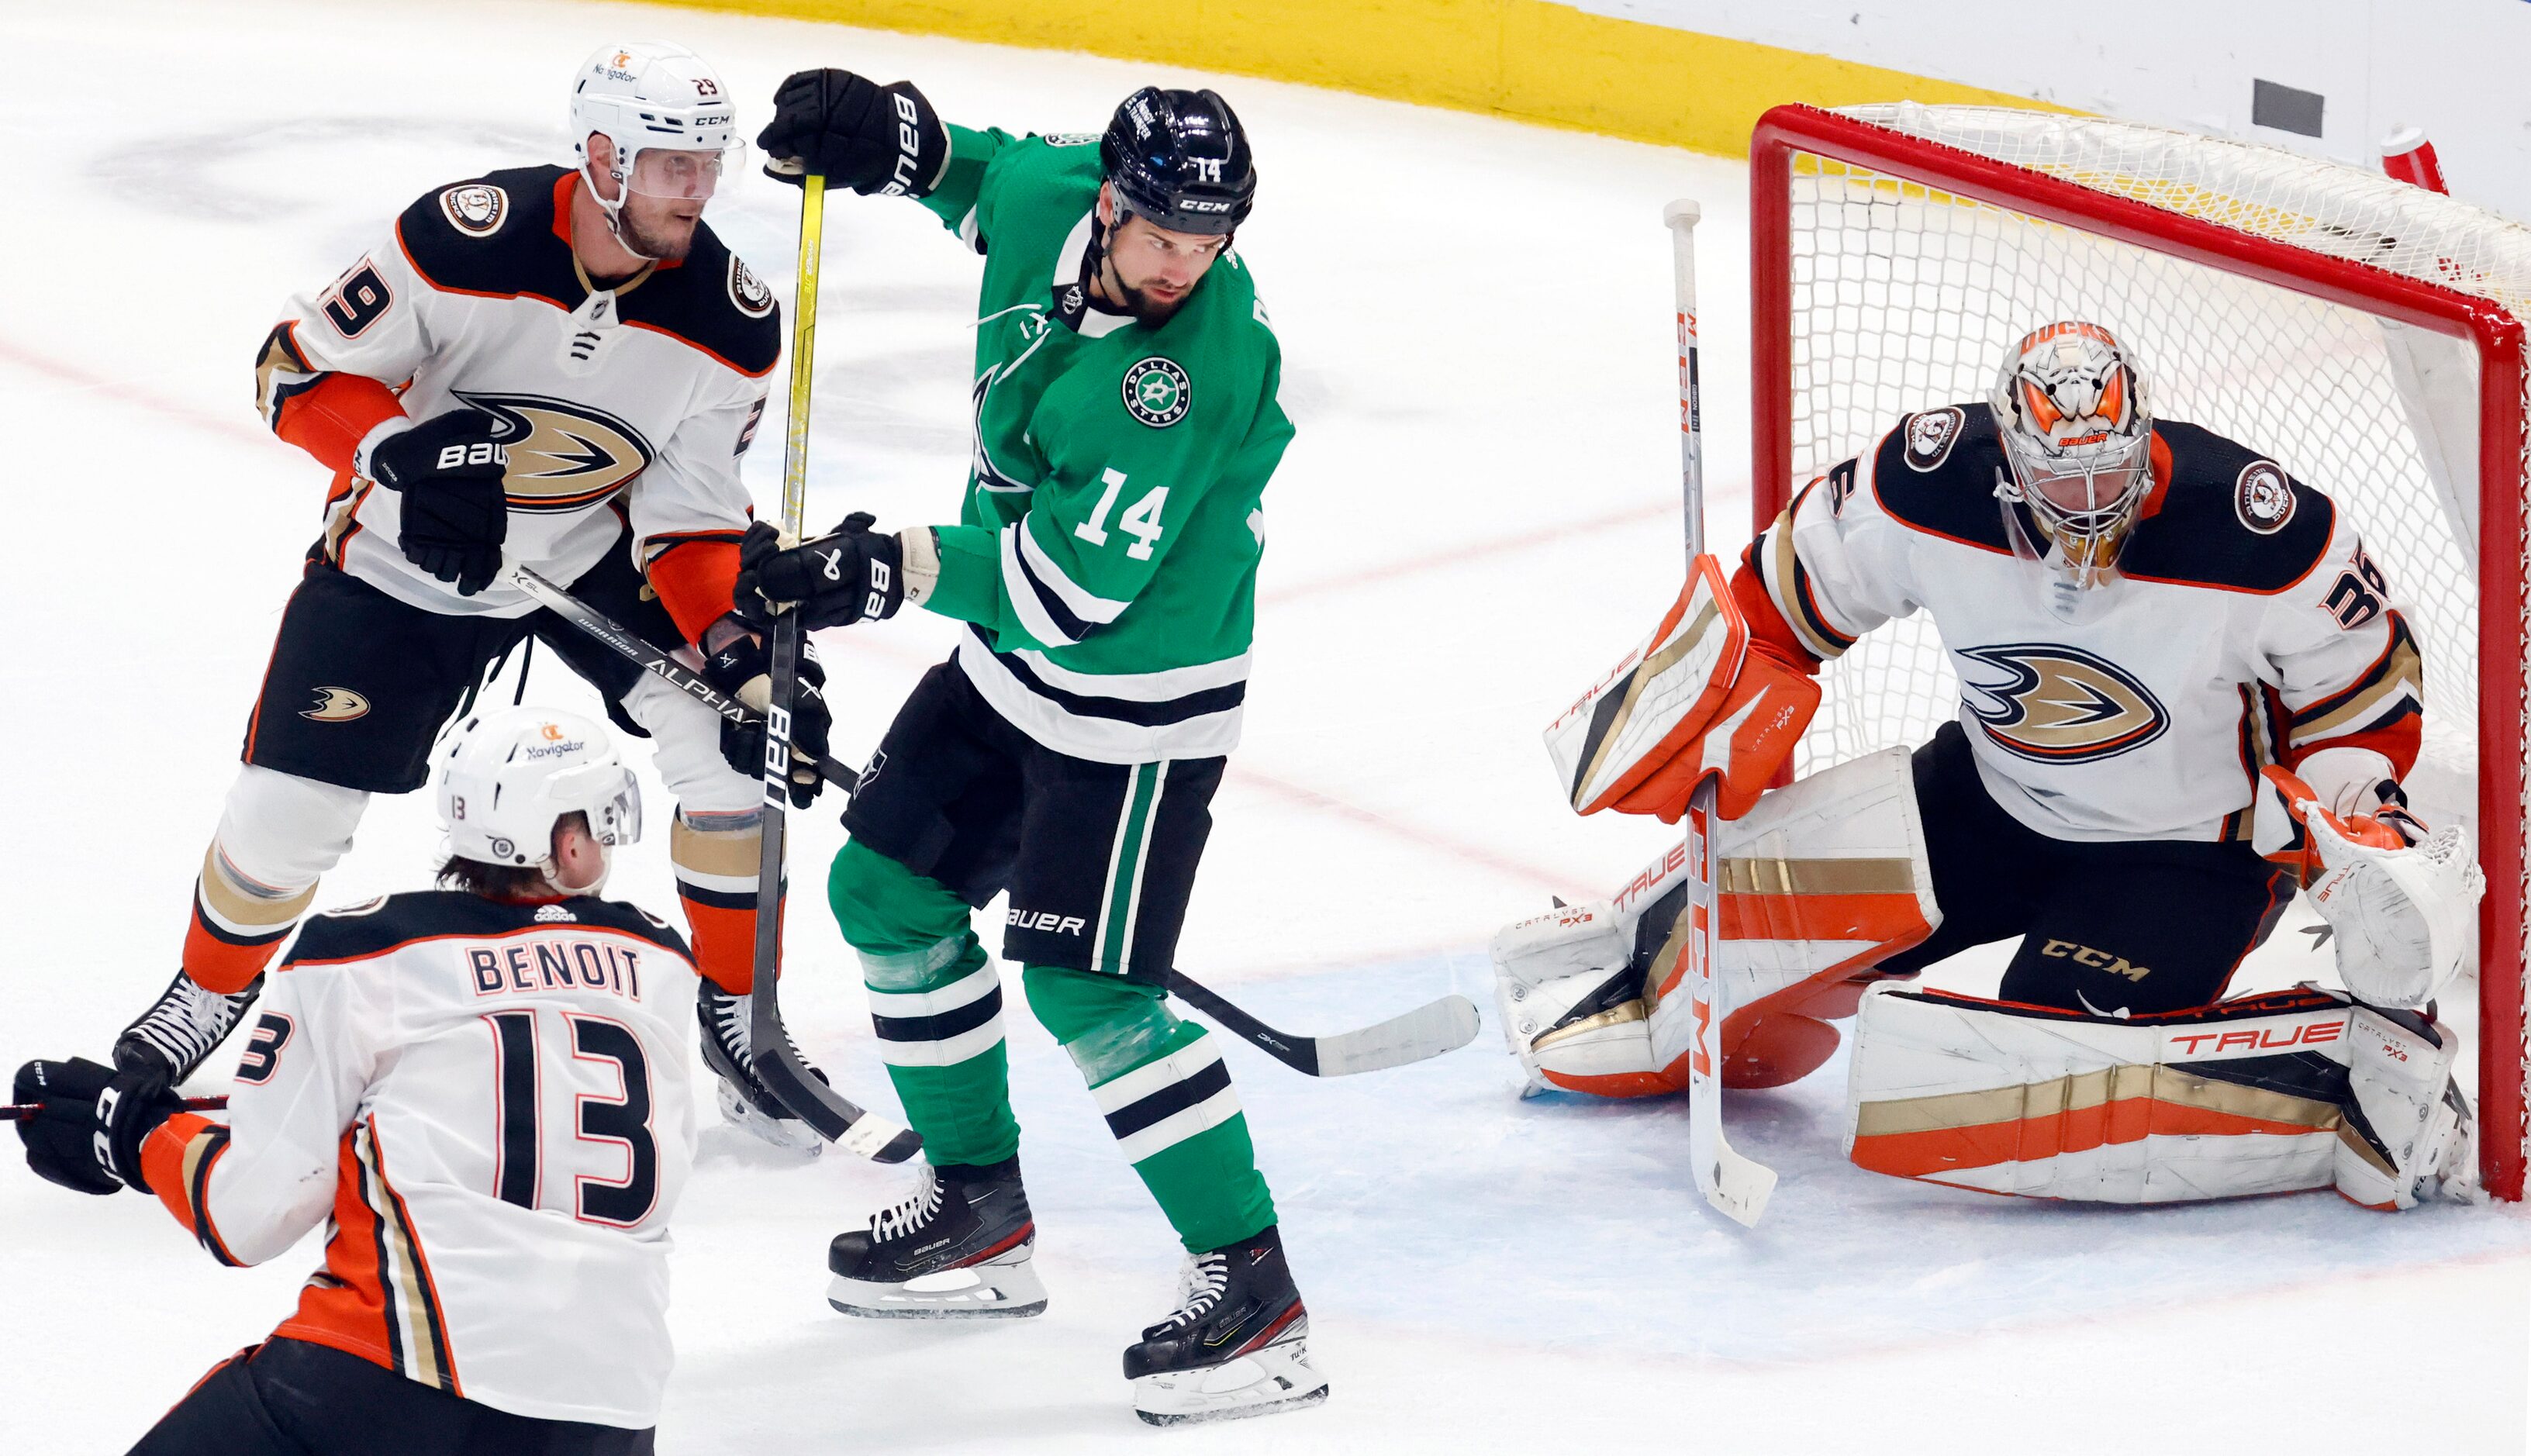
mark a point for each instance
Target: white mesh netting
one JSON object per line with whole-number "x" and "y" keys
{"x": 1904, "y": 297}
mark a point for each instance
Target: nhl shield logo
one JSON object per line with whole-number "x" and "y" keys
{"x": 2263, "y": 497}
{"x": 1158, "y": 392}
{"x": 476, "y": 209}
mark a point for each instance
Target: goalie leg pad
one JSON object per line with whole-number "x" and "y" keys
{"x": 2270, "y": 1093}
{"x": 1569, "y": 999}
{"x": 2407, "y": 1133}
{"x": 1823, "y": 880}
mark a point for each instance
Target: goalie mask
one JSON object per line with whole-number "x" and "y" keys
{"x": 2078, "y": 437}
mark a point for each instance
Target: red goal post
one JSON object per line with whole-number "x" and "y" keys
{"x": 1896, "y": 250}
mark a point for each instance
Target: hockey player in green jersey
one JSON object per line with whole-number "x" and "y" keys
{"x": 1105, "y": 561}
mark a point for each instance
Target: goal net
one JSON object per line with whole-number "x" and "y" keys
{"x": 2364, "y": 333}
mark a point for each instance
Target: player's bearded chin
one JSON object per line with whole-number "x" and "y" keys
{"x": 665, "y": 237}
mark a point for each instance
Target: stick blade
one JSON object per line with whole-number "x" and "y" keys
{"x": 1736, "y": 1186}
{"x": 1427, "y": 1031}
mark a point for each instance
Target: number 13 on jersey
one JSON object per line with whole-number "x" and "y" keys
{"x": 608, "y": 1071}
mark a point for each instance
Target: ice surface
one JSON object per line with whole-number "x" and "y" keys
{"x": 1478, "y": 515}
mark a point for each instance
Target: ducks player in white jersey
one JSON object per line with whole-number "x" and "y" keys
{"x": 555, "y": 367}
{"x": 484, "y": 1088}
{"x": 2184, "y": 691}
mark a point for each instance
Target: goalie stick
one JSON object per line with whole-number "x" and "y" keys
{"x": 1734, "y": 1184}
{"x": 20, "y": 1111}
{"x": 1427, "y": 1031}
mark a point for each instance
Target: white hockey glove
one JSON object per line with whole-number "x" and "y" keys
{"x": 2402, "y": 920}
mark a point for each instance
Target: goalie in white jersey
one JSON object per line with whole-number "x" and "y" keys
{"x": 485, "y": 1089}
{"x": 2184, "y": 691}
{"x": 552, "y": 367}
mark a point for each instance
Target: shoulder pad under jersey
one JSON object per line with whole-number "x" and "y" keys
{"x": 1936, "y": 473}
{"x": 492, "y": 235}
{"x": 374, "y": 927}
{"x": 712, "y": 301}
{"x": 2228, "y": 518}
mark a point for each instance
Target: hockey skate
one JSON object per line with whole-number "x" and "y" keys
{"x": 958, "y": 1248}
{"x": 1237, "y": 1345}
{"x": 186, "y": 1025}
{"x": 745, "y": 1102}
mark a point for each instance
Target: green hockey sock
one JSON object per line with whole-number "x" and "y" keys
{"x": 1166, "y": 1095}
{"x": 935, "y": 1003}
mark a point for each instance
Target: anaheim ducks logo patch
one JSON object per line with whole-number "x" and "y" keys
{"x": 476, "y": 209}
{"x": 563, "y": 456}
{"x": 336, "y": 706}
{"x": 748, "y": 291}
{"x": 1930, "y": 437}
{"x": 2263, "y": 497}
{"x": 2059, "y": 705}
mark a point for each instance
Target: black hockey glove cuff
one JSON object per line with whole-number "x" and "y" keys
{"x": 877, "y": 140}
{"x": 89, "y": 1122}
{"x": 849, "y": 575}
{"x": 741, "y": 669}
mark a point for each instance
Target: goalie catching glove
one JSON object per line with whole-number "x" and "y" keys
{"x": 1698, "y": 697}
{"x": 2398, "y": 898}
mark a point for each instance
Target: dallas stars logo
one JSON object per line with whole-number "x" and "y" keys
{"x": 1158, "y": 392}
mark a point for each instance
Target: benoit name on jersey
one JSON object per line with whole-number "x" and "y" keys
{"x": 625, "y": 403}
{"x": 2245, "y": 625}
{"x": 491, "y": 1103}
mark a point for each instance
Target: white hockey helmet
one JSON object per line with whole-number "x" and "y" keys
{"x": 507, "y": 776}
{"x": 2078, "y": 435}
{"x": 673, "y": 125}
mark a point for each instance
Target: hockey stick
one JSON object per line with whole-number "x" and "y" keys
{"x": 636, "y": 649}
{"x": 1427, "y": 1031}
{"x": 1430, "y": 1029}
{"x": 771, "y": 1054}
{"x": 1730, "y": 1182}
{"x": 22, "y": 1111}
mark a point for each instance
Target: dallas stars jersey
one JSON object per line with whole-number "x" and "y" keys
{"x": 1106, "y": 552}
{"x": 2245, "y": 625}
{"x": 630, "y": 404}
{"x": 493, "y": 1103}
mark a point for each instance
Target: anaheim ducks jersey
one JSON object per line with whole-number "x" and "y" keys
{"x": 491, "y": 1103}
{"x": 625, "y": 403}
{"x": 2245, "y": 625}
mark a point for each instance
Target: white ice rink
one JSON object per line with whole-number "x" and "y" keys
{"x": 1479, "y": 513}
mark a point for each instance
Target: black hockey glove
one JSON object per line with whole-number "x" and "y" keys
{"x": 456, "y": 514}
{"x": 851, "y": 575}
{"x": 876, "y": 139}
{"x": 739, "y": 669}
{"x": 89, "y": 1122}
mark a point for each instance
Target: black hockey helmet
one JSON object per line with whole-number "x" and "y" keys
{"x": 1180, "y": 160}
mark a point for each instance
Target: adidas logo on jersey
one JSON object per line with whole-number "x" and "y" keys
{"x": 547, "y": 915}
